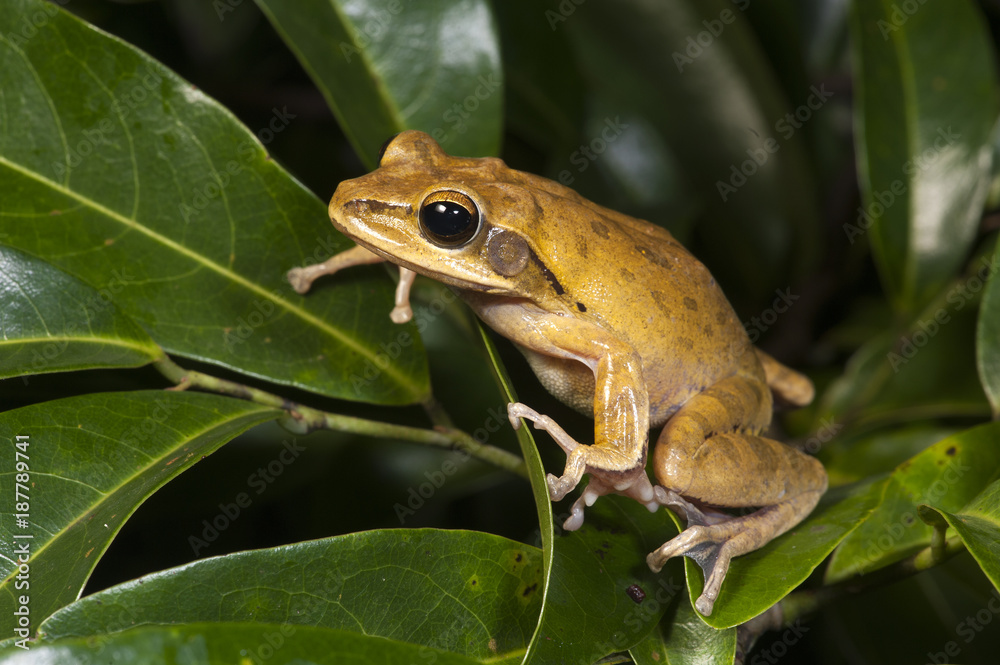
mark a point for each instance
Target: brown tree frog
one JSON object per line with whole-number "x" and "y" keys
{"x": 617, "y": 320}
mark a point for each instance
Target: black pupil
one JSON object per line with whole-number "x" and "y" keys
{"x": 447, "y": 218}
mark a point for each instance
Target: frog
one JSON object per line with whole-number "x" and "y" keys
{"x": 617, "y": 320}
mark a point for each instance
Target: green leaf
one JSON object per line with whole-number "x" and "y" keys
{"x": 978, "y": 525}
{"x": 544, "y": 105}
{"x": 852, "y": 459}
{"x": 758, "y": 580}
{"x": 732, "y": 108}
{"x": 472, "y": 594}
{"x": 947, "y": 476}
{"x": 92, "y": 460}
{"x": 682, "y": 638}
{"x": 988, "y": 337}
{"x": 209, "y": 644}
{"x": 385, "y": 67}
{"x": 599, "y": 594}
{"x": 927, "y": 370}
{"x": 925, "y": 104}
{"x": 53, "y": 322}
{"x": 137, "y": 183}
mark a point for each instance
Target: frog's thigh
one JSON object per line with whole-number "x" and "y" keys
{"x": 709, "y": 451}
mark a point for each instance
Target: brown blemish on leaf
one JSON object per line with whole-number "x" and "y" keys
{"x": 951, "y": 451}
{"x": 636, "y": 593}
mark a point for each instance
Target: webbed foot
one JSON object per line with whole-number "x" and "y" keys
{"x": 711, "y": 540}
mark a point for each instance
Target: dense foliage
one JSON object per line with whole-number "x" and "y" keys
{"x": 366, "y": 500}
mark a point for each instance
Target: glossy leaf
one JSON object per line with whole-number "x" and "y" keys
{"x": 926, "y": 371}
{"x": 385, "y": 67}
{"x": 682, "y": 638}
{"x": 948, "y": 475}
{"x": 472, "y": 594}
{"x": 599, "y": 594}
{"x": 988, "y": 337}
{"x": 925, "y": 105}
{"x": 208, "y": 644}
{"x": 53, "y": 322}
{"x": 92, "y": 460}
{"x": 978, "y": 525}
{"x": 758, "y": 580}
{"x": 852, "y": 459}
{"x": 139, "y": 184}
{"x": 733, "y": 107}
{"x": 543, "y": 104}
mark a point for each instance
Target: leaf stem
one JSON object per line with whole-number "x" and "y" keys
{"x": 304, "y": 419}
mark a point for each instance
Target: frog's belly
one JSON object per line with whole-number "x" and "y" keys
{"x": 569, "y": 381}
{"x": 572, "y": 383}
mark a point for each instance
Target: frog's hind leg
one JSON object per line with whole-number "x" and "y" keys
{"x": 711, "y": 451}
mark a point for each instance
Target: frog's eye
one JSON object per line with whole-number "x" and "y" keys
{"x": 449, "y": 219}
{"x": 385, "y": 146}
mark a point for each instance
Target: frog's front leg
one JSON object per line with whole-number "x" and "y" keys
{"x": 561, "y": 350}
{"x": 301, "y": 279}
{"x": 710, "y": 451}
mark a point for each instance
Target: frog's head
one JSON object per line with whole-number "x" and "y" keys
{"x": 471, "y": 223}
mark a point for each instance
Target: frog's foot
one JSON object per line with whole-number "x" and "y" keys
{"x": 559, "y": 487}
{"x": 641, "y": 490}
{"x": 302, "y": 278}
{"x": 579, "y": 459}
{"x": 711, "y": 540}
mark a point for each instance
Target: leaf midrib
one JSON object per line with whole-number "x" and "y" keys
{"x": 114, "y": 491}
{"x": 235, "y": 278}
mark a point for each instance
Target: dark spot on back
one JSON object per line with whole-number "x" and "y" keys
{"x": 580, "y": 306}
{"x": 653, "y": 257}
{"x": 661, "y": 302}
{"x": 691, "y": 303}
{"x": 599, "y": 229}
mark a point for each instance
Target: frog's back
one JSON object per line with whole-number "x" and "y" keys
{"x": 635, "y": 279}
